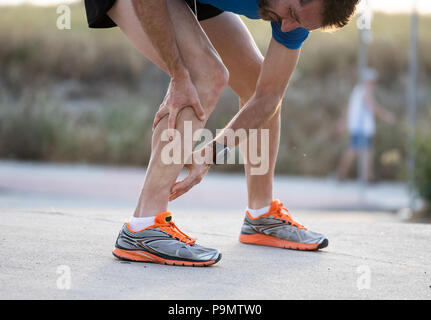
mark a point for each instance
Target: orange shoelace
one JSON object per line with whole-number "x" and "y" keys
{"x": 276, "y": 211}
{"x": 171, "y": 229}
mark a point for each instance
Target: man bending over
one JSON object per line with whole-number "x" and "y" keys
{"x": 204, "y": 46}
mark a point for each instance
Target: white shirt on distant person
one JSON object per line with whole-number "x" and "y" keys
{"x": 360, "y": 118}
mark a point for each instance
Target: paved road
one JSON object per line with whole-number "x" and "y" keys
{"x": 122, "y": 186}
{"x": 66, "y": 218}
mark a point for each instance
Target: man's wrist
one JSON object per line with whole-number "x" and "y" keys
{"x": 219, "y": 153}
{"x": 179, "y": 71}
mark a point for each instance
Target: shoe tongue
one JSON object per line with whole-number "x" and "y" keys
{"x": 163, "y": 217}
{"x": 274, "y": 205}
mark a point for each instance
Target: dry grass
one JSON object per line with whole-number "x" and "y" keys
{"x": 87, "y": 95}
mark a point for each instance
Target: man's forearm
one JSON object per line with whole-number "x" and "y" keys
{"x": 257, "y": 111}
{"x": 276, "y": 71}
{"x": 155, "y": 19}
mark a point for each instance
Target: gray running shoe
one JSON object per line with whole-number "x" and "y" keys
{"x": 163, "y": 243}
{"x": 277, "y": 229}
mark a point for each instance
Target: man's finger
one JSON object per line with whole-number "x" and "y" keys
{"x": 172, "y": 120}
{"x": 180, "y": 191}
{"x": 159, "y": 116}
{"x": 173, "y": 196}
{"x": 183, "y": 186}
{"x": 199, "y": 110}
{"x": 179, "y": 185}
{"x": 174, "y": 185}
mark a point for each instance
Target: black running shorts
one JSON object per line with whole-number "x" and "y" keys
{"x": 97, "y": 9}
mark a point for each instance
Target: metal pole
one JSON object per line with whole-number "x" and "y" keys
{"x": 364, "y": 25}
{"x": 412, "y": 99}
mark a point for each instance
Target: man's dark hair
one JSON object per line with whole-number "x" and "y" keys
{"x": 336, "y": 13}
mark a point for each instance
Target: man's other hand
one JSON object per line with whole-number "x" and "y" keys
{"x": 195, "y": 176}
{"x": 181, "y": 94}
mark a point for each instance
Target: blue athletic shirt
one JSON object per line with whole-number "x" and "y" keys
{"x": 292, "y": 39}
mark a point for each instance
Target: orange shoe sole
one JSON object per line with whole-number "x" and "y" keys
{"x": 143, "y": 256}
{"x": 270, "y": 241}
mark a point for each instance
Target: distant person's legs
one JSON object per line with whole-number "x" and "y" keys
{"x": 348, "y": 158}
{"x": 266, "y": 222}
{"x": 369, "y": 154}
{"x": 358, "y": 144}
{"x": 365, "y": 158}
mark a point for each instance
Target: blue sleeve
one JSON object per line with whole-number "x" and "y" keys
{"x": 292, "y": 39}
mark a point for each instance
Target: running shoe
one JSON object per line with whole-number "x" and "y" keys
{"x": 163, "y": 243}
{"x": 276, "y": 228}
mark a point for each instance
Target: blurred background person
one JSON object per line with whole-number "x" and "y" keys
{"x": 362, "y": 111}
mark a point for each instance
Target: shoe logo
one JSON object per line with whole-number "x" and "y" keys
{"x": 263, "y": 228}
{"x": 143, "y": 245}
{"x": 148, "y": 240}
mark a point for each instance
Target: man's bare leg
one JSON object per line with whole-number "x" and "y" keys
{"x": 208, "y": 74}
{"x": 244, "y": 60}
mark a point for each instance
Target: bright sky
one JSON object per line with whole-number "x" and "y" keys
{"x": 388, "y": 6}
{"x": 396, "y": 6}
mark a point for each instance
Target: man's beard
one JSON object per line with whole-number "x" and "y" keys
{"x": 262, "y": 9}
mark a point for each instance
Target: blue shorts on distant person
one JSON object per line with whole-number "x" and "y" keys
{"x": 360, "y": 141}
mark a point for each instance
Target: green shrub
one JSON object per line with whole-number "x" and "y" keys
{"x": 422, "y": 179}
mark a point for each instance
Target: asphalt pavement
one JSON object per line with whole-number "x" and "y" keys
{"x": 58, "y": 224}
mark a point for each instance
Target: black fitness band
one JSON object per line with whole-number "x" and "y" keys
{"x": 220, "y": 153}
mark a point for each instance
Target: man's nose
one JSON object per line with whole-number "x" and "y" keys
{"x": 289, "y": 25}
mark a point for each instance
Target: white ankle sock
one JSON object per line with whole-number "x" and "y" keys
{"x": 137, "y": 224}
{"x": 258, "y": 212}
